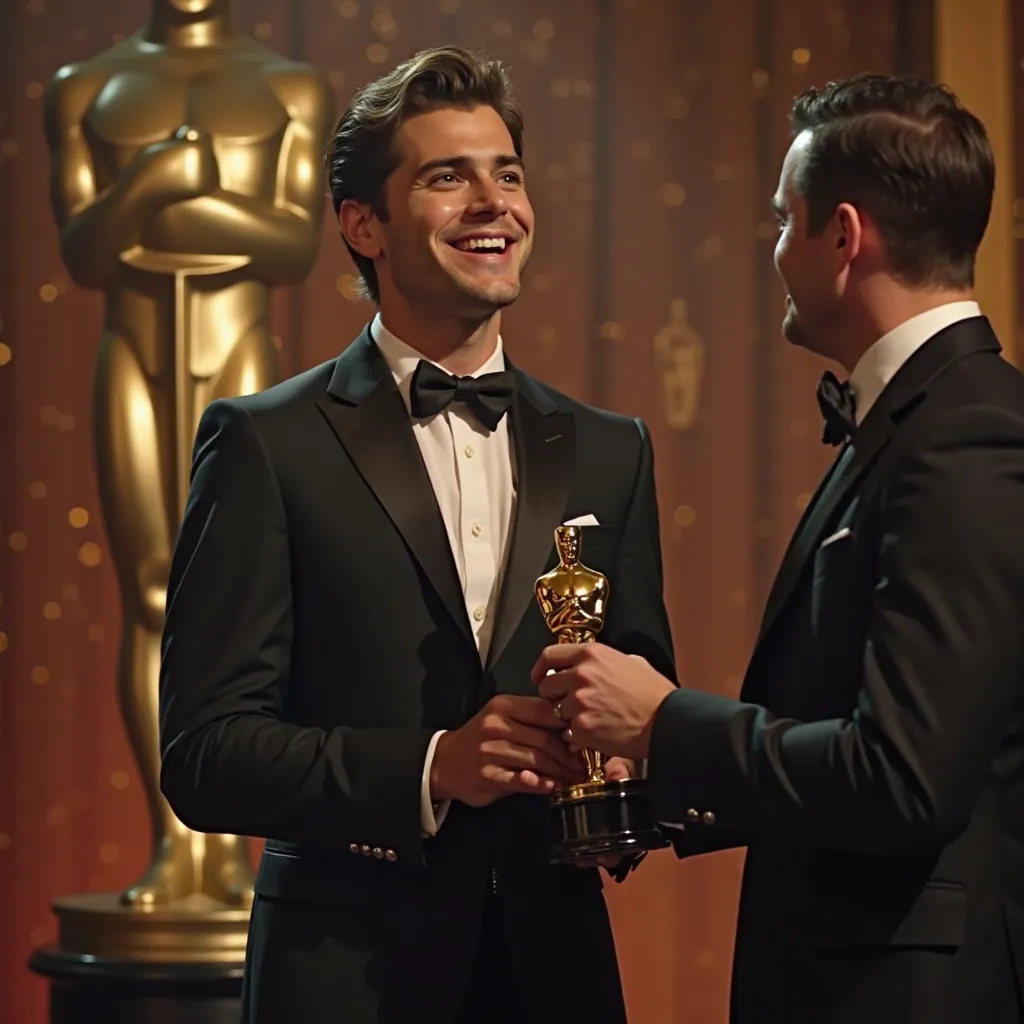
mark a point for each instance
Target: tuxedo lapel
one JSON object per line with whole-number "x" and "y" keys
{"x": 850, "y": 467}
{"x": 544, "y": 439}
{"x": 370, "y": 419}
{"x": 904, "y": 392}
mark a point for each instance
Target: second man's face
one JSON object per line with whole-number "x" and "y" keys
{"x": 459, "y": 226}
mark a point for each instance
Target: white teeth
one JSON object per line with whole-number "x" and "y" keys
{"x": 487, "y": 244}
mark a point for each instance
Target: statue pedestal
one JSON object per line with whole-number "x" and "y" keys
{"x": 177, "y": 964}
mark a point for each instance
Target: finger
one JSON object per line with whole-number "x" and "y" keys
{"x": 556, "y": 657}
{"x": 617, "y": 769}
{"x": 609, "y": 861}
{"x": 568, "y": 708}
{"x": 558, "y": 685}
{"x": 514, "y": 781}
{"x": 509, "y": 755}
{"x": 535, "y": 711}
{"x": 546, "y": 743}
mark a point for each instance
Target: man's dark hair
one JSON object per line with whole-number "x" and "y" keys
{"x": 907, "y": 153}
{"x": 362, "y": 154}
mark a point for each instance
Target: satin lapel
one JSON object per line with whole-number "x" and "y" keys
{"x": 907, "y": 388}
{"x": 368, "y": 416}
{"x": 545, "y": 449}
{"x": 852, "y": 465}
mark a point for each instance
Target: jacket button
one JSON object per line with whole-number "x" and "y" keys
{"x": 378, "y": 852}
{"x": 354, "y": 847}
{"x": 709, "y": 817}
{"x": 692, "y": 815}
{"x": 364, "y": 850}
{"x": 390, "y": 855}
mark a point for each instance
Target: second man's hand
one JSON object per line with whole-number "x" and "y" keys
{"x": 608, "y": 698}
{"x": 512, "y": 745}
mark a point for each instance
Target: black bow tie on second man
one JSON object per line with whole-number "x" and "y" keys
{"x": 838, "y": 405}
{"x": 488, "y": 396}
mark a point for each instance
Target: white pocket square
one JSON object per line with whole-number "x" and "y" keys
{"x": 588, "y": 520}
{"x": 838, "y": 535}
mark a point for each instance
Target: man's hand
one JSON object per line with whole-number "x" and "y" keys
{"x": 512, "y": 745}
{"x": 608, "y": 698}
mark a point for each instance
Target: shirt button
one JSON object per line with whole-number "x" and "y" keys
{"x": 470, "y": 451}
{"x": 476, "y": 530}
{"x": 479, "y": 613}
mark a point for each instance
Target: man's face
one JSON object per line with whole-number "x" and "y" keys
{"x": 459, "y": 226}
{"x": 808, "y": 265}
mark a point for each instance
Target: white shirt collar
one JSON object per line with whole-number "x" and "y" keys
{"x": 879, "y": 364}
{"x": 402, "y": 358}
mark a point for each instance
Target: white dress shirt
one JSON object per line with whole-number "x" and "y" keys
{"x": 879, "y": 364}
{"x": 470, "y": 468}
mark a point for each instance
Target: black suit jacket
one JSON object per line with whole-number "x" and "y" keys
{"x": 874, "y": 765}
{"x": 317, "y": 636}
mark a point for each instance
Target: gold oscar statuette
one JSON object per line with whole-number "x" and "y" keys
{"x": 186, "y": 183}
{"x": 594, "y": 817}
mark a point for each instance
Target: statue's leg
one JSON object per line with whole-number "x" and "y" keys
{"x": 134, "y": 461}
{"x": 252, "y": 366}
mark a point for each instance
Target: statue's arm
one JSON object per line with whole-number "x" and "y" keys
{"x": 281, "y": 237}
{"x": 98, "y": 225}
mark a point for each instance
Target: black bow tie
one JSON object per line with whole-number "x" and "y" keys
{"x": 838, "y": 405}
{"x": 488, "y": 396}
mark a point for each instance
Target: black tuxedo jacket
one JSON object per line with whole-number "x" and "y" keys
{"x": 317, "y": 636}
{"x": 874, "y": 765}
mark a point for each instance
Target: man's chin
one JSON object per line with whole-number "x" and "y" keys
{"x": 792, "y": 330}
{"x": 493, "y": 294}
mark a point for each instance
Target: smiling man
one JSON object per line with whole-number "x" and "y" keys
{"x": 351, "y": 621}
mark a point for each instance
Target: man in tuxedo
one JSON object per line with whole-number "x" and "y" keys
{"x": 874, "y": 763}
{"x": 351, "y": 621}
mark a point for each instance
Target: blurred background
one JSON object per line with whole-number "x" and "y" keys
{"x": 654, "y": 134}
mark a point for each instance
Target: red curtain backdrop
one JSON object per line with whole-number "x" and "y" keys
{"x": 655, "y": 129}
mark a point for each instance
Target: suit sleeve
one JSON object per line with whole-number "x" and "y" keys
{"x": 231, "y": 762}
{"x": 637, "y": 621}
{"x": 942, "y": 667}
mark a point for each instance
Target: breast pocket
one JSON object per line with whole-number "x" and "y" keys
{"x": 834, "y": 556}
{"x": 840, "y": 594}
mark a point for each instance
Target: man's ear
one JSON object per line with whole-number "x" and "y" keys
{"x": 846, "y": 229}
{"x": 849, "y": 232}
{"x": 360, "y": 227}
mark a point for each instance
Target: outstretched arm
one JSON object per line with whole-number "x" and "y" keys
{"x": 942, "y": 669}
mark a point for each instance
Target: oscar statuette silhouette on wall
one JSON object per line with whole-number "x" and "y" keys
{"x": 679, "y": 353}
{"x": 186, "y": 183}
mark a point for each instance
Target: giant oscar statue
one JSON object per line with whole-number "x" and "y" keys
{"x": 186, "y": 183}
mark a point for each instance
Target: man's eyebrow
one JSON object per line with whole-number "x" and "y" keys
{"x": 462, "y": 162}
